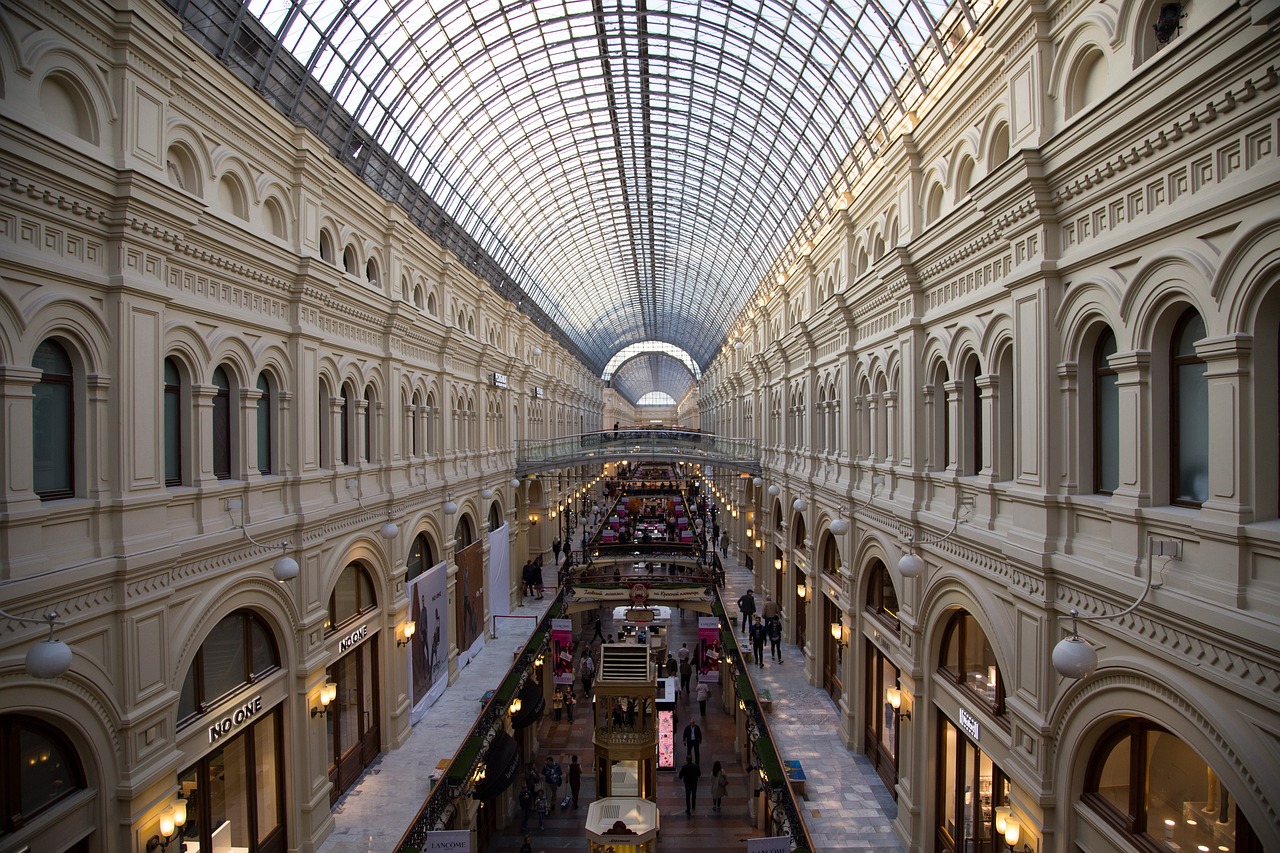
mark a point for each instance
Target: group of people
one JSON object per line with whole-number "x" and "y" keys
{"x": 538, "y": 796}
{"x": 691, "y": 772}
{"x": 531, "y": 578}
{"x": 762, "y": 627}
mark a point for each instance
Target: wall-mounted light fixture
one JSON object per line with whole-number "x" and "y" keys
{"x": 759, "y": 544}
{"x": 50, "y": 657}
{"x": 516, "y": 705}
{"x": 450, "y": 505}
{"x": 328, "y": 692}
{"x": 801, "y": 591}
{"x": 893, "y": 696}
{"x": 285, "y": 568}
{"x": 774, "y": 490}
{"x": 1010, "y": 827}
{"x": 390, "y": 530}
{"x": 751, "y": 532}
{"x": 533, "y": 519}
{"x": 777, "y": 563}
{"x": 1073, "y": 657}
{"x": 757, "y": 481}
{"x": 837, "y": 634}
{"x": 515, "y": 483}
{"x": 407, "y": 630}
{"x": 486, "y": 493}
{"x": 799, "y": 504}
{"x": 911, "y": 565}
{"x": 170, "y": 822}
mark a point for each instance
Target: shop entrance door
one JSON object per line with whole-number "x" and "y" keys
{"x": 353, "y": 721}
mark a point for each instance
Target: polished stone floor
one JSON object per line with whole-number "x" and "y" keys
{"x": 846, "y": 807}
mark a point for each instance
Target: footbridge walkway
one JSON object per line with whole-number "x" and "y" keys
{"x": 665, "y": 445}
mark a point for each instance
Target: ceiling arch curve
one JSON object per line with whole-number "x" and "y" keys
{"x": 624, "y": 171}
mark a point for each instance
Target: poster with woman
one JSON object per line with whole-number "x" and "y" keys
{"x": 562, "y": 650}
{"x": 708, "y": 653}
{"x": 429, "y": 647}
{"x": 470, "y": 601}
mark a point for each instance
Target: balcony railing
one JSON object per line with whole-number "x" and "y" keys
{"x": 607, "y": 445}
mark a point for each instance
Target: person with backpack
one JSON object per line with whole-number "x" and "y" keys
{"x": 747, "y": 607}
{"x": 553, "y": 776}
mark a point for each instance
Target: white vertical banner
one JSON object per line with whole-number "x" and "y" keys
{"x": 428, "y": 651}
{"x": 499, "y": 584}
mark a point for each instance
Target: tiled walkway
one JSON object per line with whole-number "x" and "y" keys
{"x": 847, "y": 806}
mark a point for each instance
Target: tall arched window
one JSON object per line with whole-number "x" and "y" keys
{"x": 421, "y": 557}
{"x": 264, "y": 422}
{"x": 324, "y": 425}
{"x": 1106, "y": 417}
{"x": 53, "y": 423}
{"x": 1189, "y": 401}
{"x": 973, "y": 457}
{"x": 969, "y": 660}
{"x": 173, "y": 423}
{"x": 367, "y": 417}
{"x": 40, "y": 769}
{"x": 352, "y": 596}
{"x": 882, "y": 598}
{"x": 346, "y": 452}
{"x": 221, "y": 425}
{"x": 1154, "y": 788}
{"x": 239, "y": 650}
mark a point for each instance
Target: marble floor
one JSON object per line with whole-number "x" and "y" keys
{"x": 847, "y": 807}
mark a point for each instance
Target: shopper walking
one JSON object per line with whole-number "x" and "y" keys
{"x": 704, "y": 693}
{"x": 689, "y": 775}
{"x": 686, "y": 673}
{"x": 758, "y": 636}
{"x": 575, "y": 779}
{"x": 747, "y": 607}
{"x": 552, "y": 775}
{"x": 775, "y": 637}
{"x": 693, "y": 742}
{"x": 719, "y": 785}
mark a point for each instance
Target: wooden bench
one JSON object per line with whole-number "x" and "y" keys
{"x": 795, "y": 775}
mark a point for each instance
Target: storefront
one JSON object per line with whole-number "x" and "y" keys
{"x": 833, "y": 650}
{"x": 230, "y": 733}
{"x": 970, "y": 789}
{"x": 881, "y": 735}
{"x": 351, "y": 724}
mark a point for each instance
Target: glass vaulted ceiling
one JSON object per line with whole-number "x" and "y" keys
{"x": 634, "y": 168}
{"x": 652, "y": 371}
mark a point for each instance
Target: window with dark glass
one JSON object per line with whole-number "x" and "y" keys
{"x": 1189, "y": 399}
{"x": 421, "y": 557}
{"x": 323, "y": 425}
{"x": 234, "y": 793}
{"x": 970, "y": 788}
{"x": 882, "y": 598}
{"x": 264, "y": 424}
{"x": 969, "y": 660}
{"x": 237, "y": 652}
{"x": 352, "y": 596}
{"x": 368, "y": 423}
{"x": 1147, "y": 783}
{"x": 1106, "y": 417}
{"x": 345, "y": 451}
{"x": 173, "y": 423}
{"x": 39, "y": 769}
{"x": 221, "y": 425}
{"x": 53, "y": 423}
{"x": 973, "y": 407}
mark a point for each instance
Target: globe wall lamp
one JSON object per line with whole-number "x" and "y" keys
{"x": 390, "y": 530}
{"x": 170, "y": 822}
{"x": 1073, "y": 657}
{"x": 911, "y": 565}
{"x": 486, "y": 494}
{"x": 515, "y": 483}
{"x": 774, "y": 490}
{"x": 285, "y": 568}
{"x": 893, "y": 696}
{"x": 50, "y": 657}
{"x": 328, "y": 692}
{"x": 757, "y": 481}
{"x": 800, "y": 504}
{"x": 450, "y": 505}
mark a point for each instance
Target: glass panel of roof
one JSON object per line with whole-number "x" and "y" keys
{"x": 638, "y": 172}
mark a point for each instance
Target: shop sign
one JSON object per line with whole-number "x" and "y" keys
{"x": 499, "y": 380}
{"x": 351, "y": 639}
{"x": 538, "y": 393}
{"x": 777, "y": 844}
{"x": 970, "y": 725}
{"x": 449, "y": 841}
{"x": 234, "y": 719}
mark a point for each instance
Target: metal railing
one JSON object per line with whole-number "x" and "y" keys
{"x": 739, "y": 453}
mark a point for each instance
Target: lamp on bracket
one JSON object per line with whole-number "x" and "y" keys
{"x": 911, "y": 565}
{"x": 170, "y": 822}
{"x": 515, "y": 483}
{"x": 450, "y": 505}
{"x": 893, "y": 696}
{"x": 774, "y": 490}
{"x": 757, "y": 481}
{"x": 1073, "y": 657}
{"x": 486, "y": 493}
{"x": 389, "y": 530}
{"x": 285, "y": 568}
{"x": 50, "y": 657}
{"x": 799, "y": 504}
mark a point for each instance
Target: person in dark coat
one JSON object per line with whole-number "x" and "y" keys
{"x": 758, "y": 635}
{"x": 747, "y": 607}
{"x": 689, "y": 775}
{"x": 693, "y": 743}
{"x": 575, "y": 779}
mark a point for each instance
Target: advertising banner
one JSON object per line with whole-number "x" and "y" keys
{"x": 562, "y": 650}
{"x": 469, "y": 607}
{"x": 708, "y": 648}
{"x": 500, "y": 572}
{"x": 449, "y": 841}
{"x": 429, "y": 647}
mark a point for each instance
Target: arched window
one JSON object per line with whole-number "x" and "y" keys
{"x": 221, "y": 424}
{"x": 969, "y": 661}
{"x": 326, "y": 246}
{"x": 432, "y": 425}
{"x": 238, "y": 651}
{"x": 352, "y": 596}
{"x": 367, "y": 417}
{"x": 421, "y": 557}
{"x": 324, "y": 425}
{"x": 1189, "y": 400}
{"x": 265, "y": 424}
{"x": 1106, "y": 417}
{"x": 349, "y": 263}
{"x": 40, "y": 769}
{"x": 1154, "y": 788}
{"x": 464, "y": 533}
{"x": 495, "y": 516}
{"x": 973, "y": 459}
{"x": 174, "y": 432}
{"x": 882, "y": 598}
{"x": 53, "y": 423}
{"x": 940, "y": 451}
{"x": 346, "y": 451}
